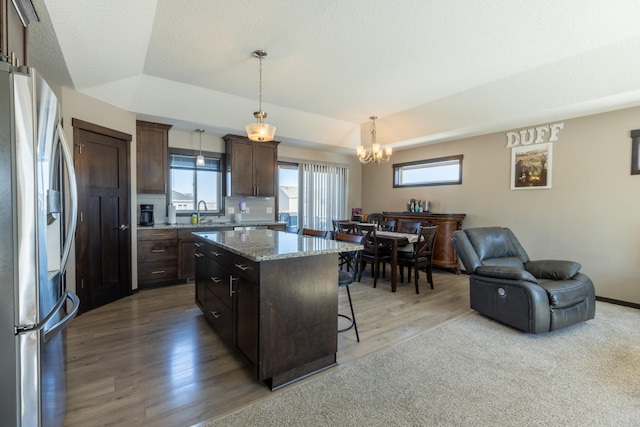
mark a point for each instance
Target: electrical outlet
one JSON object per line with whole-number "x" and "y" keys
{"x": 247, "y": 210}
{"x": 269, "y": 210}
{"x": 230, "y": 210}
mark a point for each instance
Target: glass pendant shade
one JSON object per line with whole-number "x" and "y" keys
{"x": 260, "y": 131}
{"x": 200, "y": 158}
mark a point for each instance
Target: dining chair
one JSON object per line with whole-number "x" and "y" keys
{"x": 335, "y": 222}
{"x": 421, "y": 257}
{"x": 346, "y": 227}
{"x": 372, "y": 253}
{"x": 389, "y": 225}
{"x": 347, "y": 277}
{"x": 408, "y": 227}
{"x": 315, "y": 233}
{"x": 375, "y": 218}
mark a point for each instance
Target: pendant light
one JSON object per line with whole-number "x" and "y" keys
{"x": 260, "y": 131}
{"x": 200, "y": 159}
{"x": 375, "y": 154}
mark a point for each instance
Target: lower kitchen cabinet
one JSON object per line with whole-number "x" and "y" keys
{"x": 157, "y": 257}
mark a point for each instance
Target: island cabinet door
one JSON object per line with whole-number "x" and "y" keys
{"x": 298, "y": 317}
{"x": 246, "y": 317}
{"x": 245, "y": 287}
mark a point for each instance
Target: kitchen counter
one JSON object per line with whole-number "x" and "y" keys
{"x": 211, "y": 225}
{"x": 266, "y": 245}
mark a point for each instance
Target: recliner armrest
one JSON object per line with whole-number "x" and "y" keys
{"x": 553, "y": 269}
{"x": 508, "y": 273}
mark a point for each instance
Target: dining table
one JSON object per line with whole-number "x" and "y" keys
{"x": 395, "y": 240}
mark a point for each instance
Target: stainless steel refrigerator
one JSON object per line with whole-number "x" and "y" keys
{"x": 38, "y": 208}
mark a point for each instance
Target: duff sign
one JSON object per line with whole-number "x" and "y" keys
{"x": 536, "y": 135}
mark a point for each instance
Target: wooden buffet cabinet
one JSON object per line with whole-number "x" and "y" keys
{"x": 444, "y": 255}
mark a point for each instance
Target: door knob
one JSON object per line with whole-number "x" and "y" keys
{"x": 122, "y": 227}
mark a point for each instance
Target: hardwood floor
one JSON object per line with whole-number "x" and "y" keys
{"x": 151, "y": 359}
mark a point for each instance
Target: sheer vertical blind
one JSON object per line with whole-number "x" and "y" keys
{"x": 324, "y": 194}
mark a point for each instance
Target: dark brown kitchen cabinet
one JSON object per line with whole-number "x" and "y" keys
{"x": 252, "y": 166}
{"x": 13, "y": 34}
{"x": 152, "y": 141}
{"x": 157, "y": 257}
{"x": 186, "y": 241}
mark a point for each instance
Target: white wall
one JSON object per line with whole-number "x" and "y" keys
{"x": 591, "y": 215}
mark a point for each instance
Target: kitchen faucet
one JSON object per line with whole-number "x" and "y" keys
{"x": 201, "y": 216}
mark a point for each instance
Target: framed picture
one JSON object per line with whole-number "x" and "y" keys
{"x": 531, "y": 167}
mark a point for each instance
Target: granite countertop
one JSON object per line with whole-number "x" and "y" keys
{"x": 267, "y": 245}
{"x": 210, "y": 225}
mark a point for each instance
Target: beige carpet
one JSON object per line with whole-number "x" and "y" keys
{"x": 475, "y": 372}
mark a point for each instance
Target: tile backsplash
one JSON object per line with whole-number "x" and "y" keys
{"x": 251, "y": 209}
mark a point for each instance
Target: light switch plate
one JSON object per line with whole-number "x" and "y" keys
{"x": 269, "y": 210}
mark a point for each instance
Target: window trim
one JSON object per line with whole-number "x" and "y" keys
{"x": 223, "y": 177}
{"x": 398, "y": 166}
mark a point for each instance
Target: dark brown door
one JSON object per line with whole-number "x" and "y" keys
{"x": 103, "y": 236}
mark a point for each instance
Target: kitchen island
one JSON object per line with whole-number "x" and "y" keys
{"x": 273, "y": 297}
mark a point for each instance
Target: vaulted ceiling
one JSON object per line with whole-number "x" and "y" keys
{"x": 432, "y": 70}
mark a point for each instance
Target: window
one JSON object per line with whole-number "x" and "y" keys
{"x": 440, "y": 171}
{"x": 190, "y": 183}
{"x": 324, "y": 194}
{"x": 288, "y": 191}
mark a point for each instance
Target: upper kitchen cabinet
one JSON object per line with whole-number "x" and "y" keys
{"x": 152, "y": 141}
{"x": 13, "y": 30}
{"x": 252, "y": 165}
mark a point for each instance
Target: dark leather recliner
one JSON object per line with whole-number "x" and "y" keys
{"x": 505, "y": 285}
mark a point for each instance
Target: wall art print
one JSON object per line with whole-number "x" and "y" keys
{"x": 531, "y": 167}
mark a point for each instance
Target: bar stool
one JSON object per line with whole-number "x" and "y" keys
{"x": 347, "y": 277}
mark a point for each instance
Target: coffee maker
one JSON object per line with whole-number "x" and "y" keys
{"x": 146, "y": 214}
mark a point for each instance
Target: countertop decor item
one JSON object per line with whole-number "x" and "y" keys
{"x": 260, "y": 131}
{"x": 376, "y": 153}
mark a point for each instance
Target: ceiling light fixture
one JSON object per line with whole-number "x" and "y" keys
{"x": 200, "y": 159}
{"x": 260, "y": 131}
{"x": 375, "y": 154}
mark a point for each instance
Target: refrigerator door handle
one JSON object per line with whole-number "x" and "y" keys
{"x": 49, "y": 333}
{"x": 73, "y": 198}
